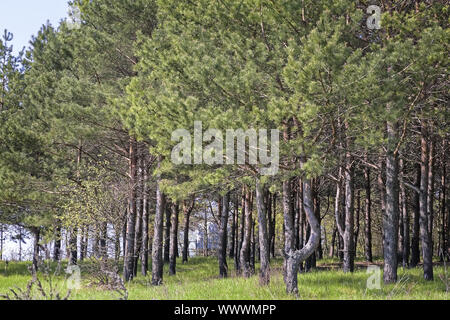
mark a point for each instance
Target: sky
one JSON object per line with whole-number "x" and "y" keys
{"x": 24, "y": 18}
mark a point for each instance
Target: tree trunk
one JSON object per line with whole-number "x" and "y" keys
{"x": 358, "y": 211}
{"x": 423, "y": 207}
{"x": 167, "y": 227}
{"x": 233, "y": 233}
{"x": 368, "y": 218}
{"x": 333, "y": 242}
{"x": 173, "y": 239}
{"x": 430, "y": 200}
{"x": 444, "y": 231}
{"x": 145, "y": 220}
{"x": 57, "y": 247}
{"x": 187, "y": 209}
{"x": 128, "y": 268}
{"x": 36, "y": 233}
{"x": 293, "y": 258}
{"x": 264, "y": 274}
{"x": 103, "y": 241}
{"x": 405, "y": 218}
{"x": 391, "y": 214}
{"x": 73, "y": 251}
{"x": 245, "y": 249}
{"x": 157, "y": 258}
{"x": 222, "y": 250}
{"x": 415, "y": 253}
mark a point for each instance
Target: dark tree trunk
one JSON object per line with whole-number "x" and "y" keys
{"x": 57, "y": 247}
{"x": 430, "y": 200}
{"x": 415, "y": 253}
{"x": 73, "y": 250}
{"x": 245, "y": 263}
{"x": 157, "y": 255}
{"x": 391, "y": 214}
{"x": 103, "y": 241}
{"x": 253, "y": 252}
{"x": 145, "y": 220}
{"x": 139, "y": 209}
{"x": 128, "y": 268}
{"x": 273, "y": 224}
{"x": 36, "y": 233}
{"x": 264, "y": 273}
{"x": 358, "y": 211}
{"x": 382, "y": 191}
{"x": 222, "y": 250}
{"x": 423, "y": 206}
{"x": 187, "y": 209}
{"x": 444, "y": 231}
{"x": 116, "y": 244}
{"x": 167, "y": 227}
{"x": 233, "y": 234}
{"x": 368, "y": 218}
{"x": 173, "y": 239}
{"x": 405, "y": 218}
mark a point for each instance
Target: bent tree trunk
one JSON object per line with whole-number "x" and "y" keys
{"x": 264, "y": 273}
{"x": 293, "y": 258}
{"x": 222, "y": 250}
{"x": 157, "y": 255}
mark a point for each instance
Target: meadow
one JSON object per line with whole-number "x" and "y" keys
{"x": 198, "y": 280}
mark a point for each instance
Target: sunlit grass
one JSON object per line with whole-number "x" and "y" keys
{"x": 198, "y": 280}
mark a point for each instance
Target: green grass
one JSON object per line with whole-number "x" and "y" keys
{"x": 198, "y": 280}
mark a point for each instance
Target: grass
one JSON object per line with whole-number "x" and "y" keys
{"x": 198, "y": 280}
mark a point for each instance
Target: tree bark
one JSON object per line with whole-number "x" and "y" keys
{"x": 293, "y": 258}
{"x": 36, "y": 233}
{"x": 368, "y": 218}
{"x": 187, "y": 210}
{"x": 430, "y": 200}
{"x": 157, "y": 255}
{"x": 57, "y": 247}
{"x": 222, "y": 250}
{"x": 264, "y": 273}
{"x": 391, "y": 213}
{"x": 145, "y": 220}
{"x": 167, "y": 227}
{"x": 423, "y": 207}
{"x": 405, "y": 218}
{"x": 173, "y": 239}
{"x": 415, "y": 253}
{"x": 245, "y": 249}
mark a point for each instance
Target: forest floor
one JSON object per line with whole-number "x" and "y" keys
{"x": 198, "y": 280}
